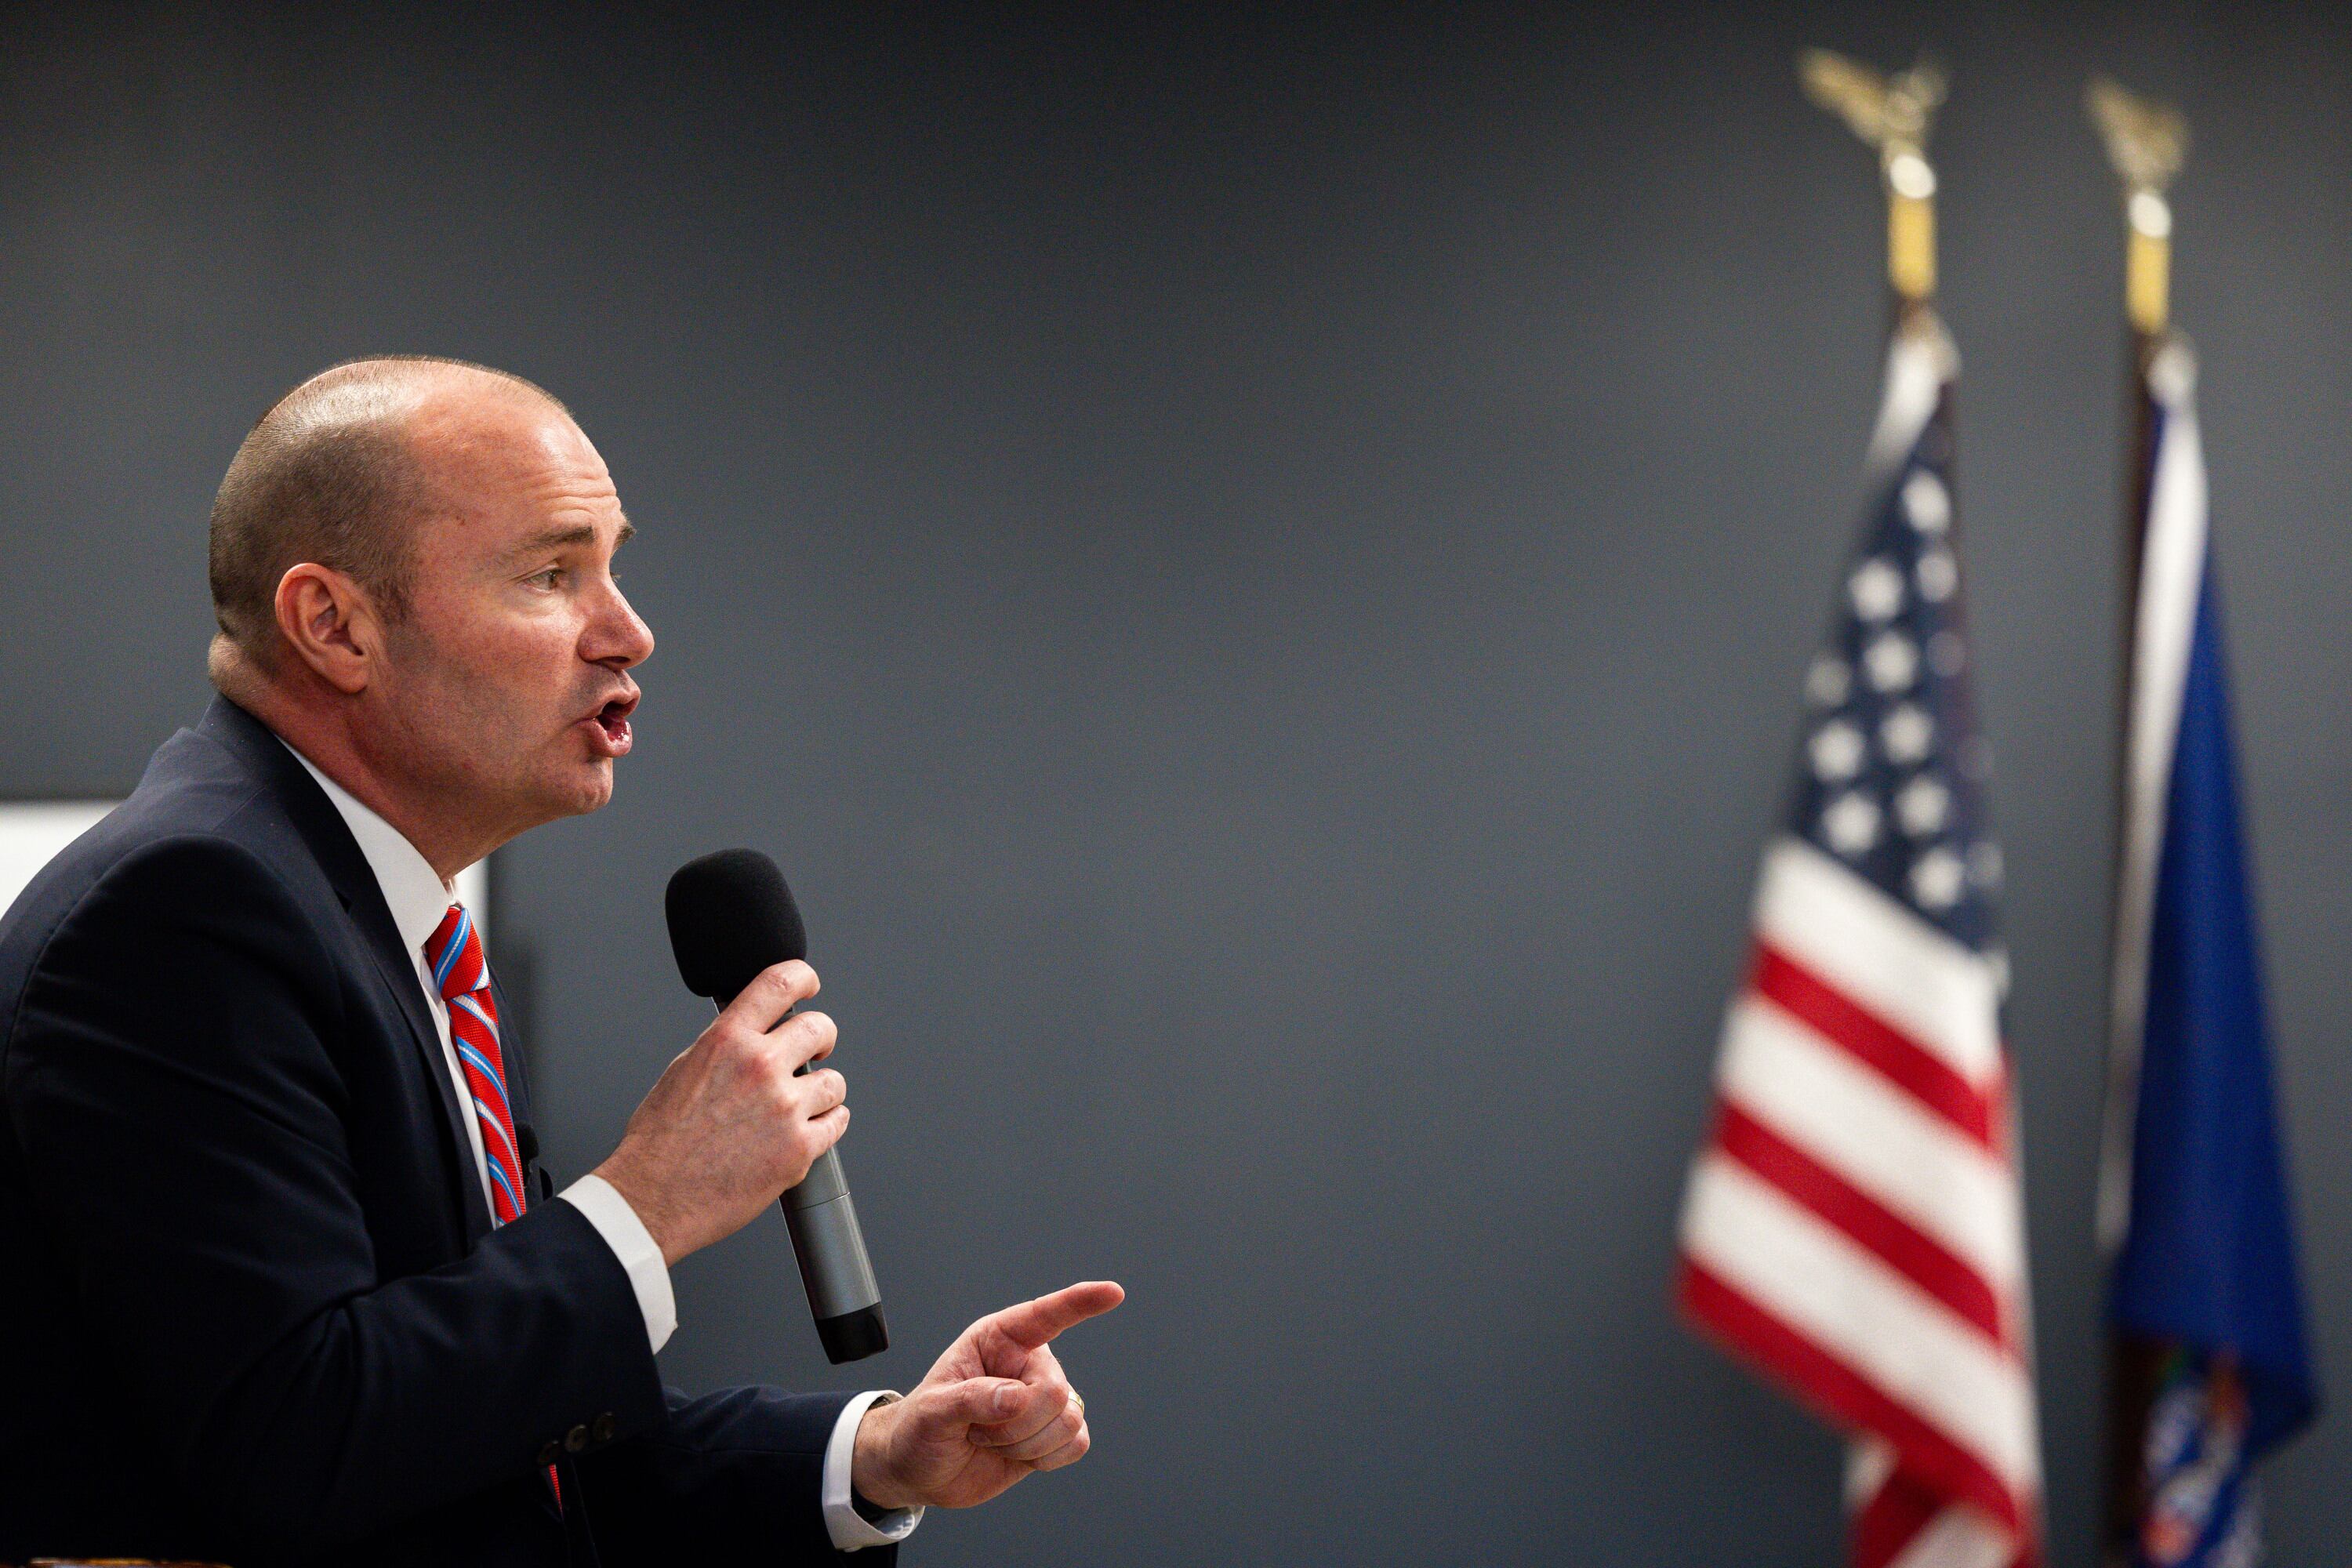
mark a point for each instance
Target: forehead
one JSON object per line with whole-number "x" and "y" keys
{"x": 503, "y": 465}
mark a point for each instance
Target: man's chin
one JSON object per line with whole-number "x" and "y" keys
{"x": 585, "y": 786}
{"x": 595, "y": 790}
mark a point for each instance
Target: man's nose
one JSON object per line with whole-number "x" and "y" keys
{"x": 617, "y": 638}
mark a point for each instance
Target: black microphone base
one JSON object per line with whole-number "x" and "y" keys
{"x": 853, "y": 1336}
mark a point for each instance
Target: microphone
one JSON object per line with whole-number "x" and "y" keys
{"x": 731, "y": 916}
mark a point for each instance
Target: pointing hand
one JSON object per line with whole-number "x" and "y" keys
{"x": 995, "y": 1407}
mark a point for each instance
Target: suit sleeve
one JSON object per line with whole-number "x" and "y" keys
{"x": 171, "y": 1082}
{"x": 736, "y": 1475}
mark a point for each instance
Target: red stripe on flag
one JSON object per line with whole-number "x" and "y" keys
{"x": 1893, "y": 1517}
{"x": 1954, "y": 1283}
{"x": 1845, "y": 1396}
{"x": 1870, "y": 1040}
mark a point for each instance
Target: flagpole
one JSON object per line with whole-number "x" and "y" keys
{"x": 1891, "y": 114}
{"x": 1874, "y": 1266}
{"x": 2146, "y": 142}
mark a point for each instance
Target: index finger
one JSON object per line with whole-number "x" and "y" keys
{"x": 773, "y": 992}
{"x": 1031, "y": 1323}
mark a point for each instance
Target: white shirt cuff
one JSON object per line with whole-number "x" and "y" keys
{"x": 848, "y": 1528}
{"x": 634, "y": 1245}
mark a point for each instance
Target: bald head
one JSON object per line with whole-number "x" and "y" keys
{"x": 337, "y": 473}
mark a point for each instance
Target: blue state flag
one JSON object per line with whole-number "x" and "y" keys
{"x": 2205, "y": 1306}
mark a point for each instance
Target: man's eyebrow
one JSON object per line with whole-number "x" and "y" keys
{"x": 583, "y": 533}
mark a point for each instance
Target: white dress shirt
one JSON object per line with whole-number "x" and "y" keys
{"x": 418, "y": 899}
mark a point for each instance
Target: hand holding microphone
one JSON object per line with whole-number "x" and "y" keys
{"x": 729, "y": 1125}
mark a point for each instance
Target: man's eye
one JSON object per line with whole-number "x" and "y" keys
{"x": 549, "y": 578}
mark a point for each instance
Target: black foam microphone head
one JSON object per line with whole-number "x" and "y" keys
{"x": 731, "y": 916}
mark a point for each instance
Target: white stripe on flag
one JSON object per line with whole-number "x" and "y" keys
{"x": 1877, "y": 1137}
{"x": 1919, "y": 361}
{"x": 1882, "y": 956}
{"x": 1858, "y": 1311}
{"x": 1960, "y": 1537}
{"x": 2172, "y": 577}
{"x": 1869, "y": 1460}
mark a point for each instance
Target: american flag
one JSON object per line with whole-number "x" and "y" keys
{"x": 1853, "y": 1225}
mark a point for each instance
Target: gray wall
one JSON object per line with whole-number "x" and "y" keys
{"x": 1254, "y": 573}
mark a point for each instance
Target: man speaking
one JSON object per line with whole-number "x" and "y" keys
{"x": 285, "y": 1284}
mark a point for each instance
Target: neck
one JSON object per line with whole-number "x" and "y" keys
{"x": 328, "y": 735}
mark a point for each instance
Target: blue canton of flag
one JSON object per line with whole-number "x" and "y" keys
{"x": 2204, "y": 1297}
{"x": 1891, "y": 782}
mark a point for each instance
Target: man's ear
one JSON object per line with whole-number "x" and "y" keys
{"x": 330, "y": 625}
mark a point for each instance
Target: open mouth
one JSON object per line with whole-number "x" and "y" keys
{"x": 610, "y": 724}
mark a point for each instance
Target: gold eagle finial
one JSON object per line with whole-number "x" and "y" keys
{"x": 1889, "y": 113}
{"x": 2146, "y": 143}
{"x": 1893, "y": 114}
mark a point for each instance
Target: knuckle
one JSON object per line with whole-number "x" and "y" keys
{"x": 818, "y": 1032}
{"x": 783, "y": 983}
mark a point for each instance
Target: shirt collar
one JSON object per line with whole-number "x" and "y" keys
{"x": 413, "y": 890}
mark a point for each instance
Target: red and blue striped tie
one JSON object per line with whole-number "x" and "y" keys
{"x": 455, "y": 954}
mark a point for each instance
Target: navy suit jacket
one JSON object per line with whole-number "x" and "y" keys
{"x": 254, "y": 1309}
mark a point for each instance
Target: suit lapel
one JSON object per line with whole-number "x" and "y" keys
{"x": 324, "y": 830}
{"x": 400, "y": 978}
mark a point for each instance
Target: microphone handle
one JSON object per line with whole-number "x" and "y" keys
{"x": 834, "y": 1270}
{"x": 830, "y": 1250}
